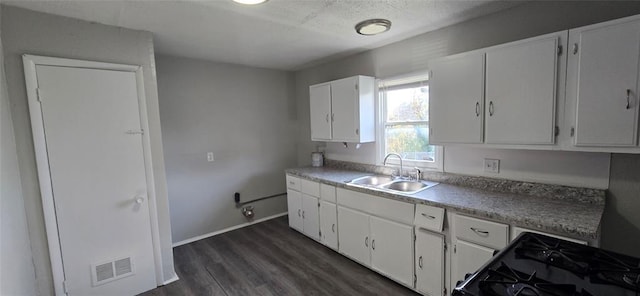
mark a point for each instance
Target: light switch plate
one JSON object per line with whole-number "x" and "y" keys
{"x": 210, "y": 156}
{"x": 492, "y": 165}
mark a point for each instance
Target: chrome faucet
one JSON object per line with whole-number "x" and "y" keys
{"x": 384, "y": 162}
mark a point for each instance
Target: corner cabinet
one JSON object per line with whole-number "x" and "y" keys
{"x": 602, "y": 83}
{"x": 343, "y": 110}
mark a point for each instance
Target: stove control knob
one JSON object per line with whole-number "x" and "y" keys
{"x": 466, "y": 276}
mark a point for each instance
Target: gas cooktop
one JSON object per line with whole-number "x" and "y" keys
{"x": 539, "y": 265}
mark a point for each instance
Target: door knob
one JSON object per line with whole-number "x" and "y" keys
{"x": 139, "y": 199}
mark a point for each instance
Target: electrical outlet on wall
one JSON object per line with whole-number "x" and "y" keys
{"x": 491, "y": 165}
{"x": 210, "y": 156}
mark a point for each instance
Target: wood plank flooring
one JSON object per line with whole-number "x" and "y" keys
{"x": 269, "y": 258}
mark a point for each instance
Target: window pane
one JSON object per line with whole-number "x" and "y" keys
{"x": 410, "y": 141}
{"x": 408, "y": 104}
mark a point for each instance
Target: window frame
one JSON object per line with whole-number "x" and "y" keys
{"x": 381, "y": 84}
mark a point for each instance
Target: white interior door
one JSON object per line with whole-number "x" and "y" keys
{"x": 92, "y": 122}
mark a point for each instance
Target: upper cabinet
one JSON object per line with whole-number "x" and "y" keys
{"x": 602, "y": 84}
{"x": 456, "y": 99}
{"x": 502, "y": 95}
{"x": 521, "y": 91}
{"x": 343, "y": 110}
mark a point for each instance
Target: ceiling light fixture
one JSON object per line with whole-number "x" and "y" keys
{"x": 373, "y": 27}
{"x": 250, "y": 2}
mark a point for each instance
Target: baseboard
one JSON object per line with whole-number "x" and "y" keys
{"x": 210, "y": 234}
{"x": 171, "y": 280}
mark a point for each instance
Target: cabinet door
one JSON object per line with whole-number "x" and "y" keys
{"x": 456, "y": 99}
{"x": 344, "y": 105}
{"x": 353, "y": 235}
{"x": 605, "y": 86}
{"x": 468, "y": 258}
{"x": 429, "y": 262}
{"x": 294, "y": 205}
{"x": 329, "y": 224}
{"x": 521, "y": 92}
{"x": 310, "y": 216}
{"x": 392, "y": 249}
{"x": 320, "y": 111}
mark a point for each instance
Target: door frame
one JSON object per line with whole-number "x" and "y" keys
{"x": 42, "y": 160}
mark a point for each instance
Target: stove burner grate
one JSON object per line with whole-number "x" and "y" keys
{"x": 555, "y": 253}
{"x": 505, "y": 281}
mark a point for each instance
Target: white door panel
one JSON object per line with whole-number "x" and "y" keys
{"x": 98, "y": 176}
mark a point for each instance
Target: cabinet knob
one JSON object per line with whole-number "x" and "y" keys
{"x": 478, "y": 231}
{"x": 628, "y": 99}
{"x": 420, "y": 262}
{"x": 302, "y": 214}
{"x": 490, "y": 108}
{"x": 333, "y": 228}
{"x": 373, "y": 244}
{"x": 299, "y": 213}
{"x": 357, "y": 131}
{"x": 428, "y": 216}
{"x": 477, "y": 109}
{"x": 366, "y": 241}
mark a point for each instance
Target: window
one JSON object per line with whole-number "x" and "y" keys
{"x": 405, "y": 122}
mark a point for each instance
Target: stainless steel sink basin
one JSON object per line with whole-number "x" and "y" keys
{"x": 372, "y": 180}
{"x": 388, "y": 183}
{"x": 406, "y": 186}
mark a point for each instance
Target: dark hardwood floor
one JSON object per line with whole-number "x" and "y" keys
{"x": 269, "y": 258}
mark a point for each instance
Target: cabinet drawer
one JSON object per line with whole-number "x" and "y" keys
{"x": 328, "y": 193}
{"x": 310, "y": 187}
{"x": 293, "y": 183}
{"x": 429, "y": 217}
{"x": 489, "y": 234}
{"x": 378, "y": 206}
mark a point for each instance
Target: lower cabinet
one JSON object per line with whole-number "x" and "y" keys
{"x": 392, "y": 249}
{"x": 328, "y": 224}
{"x": 383, "y": 245}
{"x": 310, "y": 216}
{"x": 354, "y": 235}
{"x": 294, "y": 205}
{"x": 467, "y": 258}
{"x": 429, "y": 262}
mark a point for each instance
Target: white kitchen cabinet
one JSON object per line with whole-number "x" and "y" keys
{"x": 602, "y": 83}
{"x": 329, "y": 224}
{"x": 310, "y": 216}
{"x": 429, "y": 262}
{"x": 456, "y": 99}
{"x": 354, "y": 235}
{"x": 392, "y": 249}
{"x": 320, "y": 104}
{"x": 467, "y": 258}
{"x": 352, "y": 104}
{"x": 294, "y": 205}
{"x": 520, "y": 87}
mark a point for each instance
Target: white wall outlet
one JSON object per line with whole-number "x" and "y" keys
{"x": 491, "y": 165}
{"x": 210, "y": 156}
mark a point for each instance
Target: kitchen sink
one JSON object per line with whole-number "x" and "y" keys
{"x": 388, "y": 183}
{"x": 406, "y": 186}
{"x": 376, "y": 180}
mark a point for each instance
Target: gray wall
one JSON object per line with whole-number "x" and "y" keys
{"x": 30, "y": 32}
{"x": 16, "y": 269}
{"x": 246, "y": 117}
{"x": 527, "y": 20}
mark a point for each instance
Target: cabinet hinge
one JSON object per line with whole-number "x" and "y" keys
{"x": 557, "y": 131}
{"x": 64, "y": 287}
{"x": 444, "y": 292}
{"x": 39, "y": 95}
{"x": 356, "y": 87}
{"x": 318, "y": 204}
{"x": 320, "y": 234}
{"x": 415, "y": 280}
{"x": 414, "y": 238}
{"x": 559, "y": 49}
{"x": 575, "y": 48}
{"x": 573, "y": 131}
{"x": 445, "y": 246}
{"x": 454, "y": 248}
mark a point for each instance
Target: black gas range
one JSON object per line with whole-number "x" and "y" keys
{"x": 535, "y": 264}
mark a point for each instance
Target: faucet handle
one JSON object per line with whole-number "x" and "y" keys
{"x": 418, "y": 173}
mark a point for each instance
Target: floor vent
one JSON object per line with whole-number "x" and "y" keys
{"x": 110, "y": 271}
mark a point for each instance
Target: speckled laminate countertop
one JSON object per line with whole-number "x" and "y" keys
{"x": 560, "y": 216}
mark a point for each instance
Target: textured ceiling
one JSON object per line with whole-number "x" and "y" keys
{"x": 279, "y": 34}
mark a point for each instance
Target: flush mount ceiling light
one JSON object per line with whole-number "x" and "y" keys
{"x": 250, "y": 2}
{"x": 373, "y": 27}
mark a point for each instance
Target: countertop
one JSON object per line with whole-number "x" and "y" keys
{"x": 567, "y": 217}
